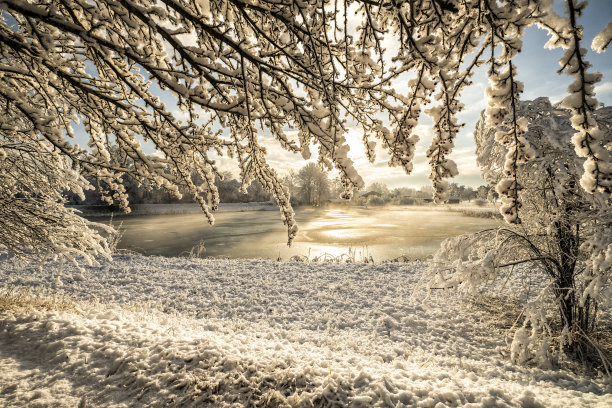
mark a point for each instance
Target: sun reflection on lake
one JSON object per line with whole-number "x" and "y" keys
{"x": 343, "y": 233}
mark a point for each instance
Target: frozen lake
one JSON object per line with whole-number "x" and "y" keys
{"x": 382, "y": 233}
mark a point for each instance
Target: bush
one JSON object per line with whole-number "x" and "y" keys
{"x": 564, "y": 240}
{"x": 407, "y": 201}
{"x": 376, "y": 201}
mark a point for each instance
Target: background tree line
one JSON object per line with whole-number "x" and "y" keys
{"x": 146, "y": 193}
{"x": 309, "y": 186}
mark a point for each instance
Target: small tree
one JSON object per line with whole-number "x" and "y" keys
{"x": 566, "y": 234}
{"x": 313, "y": 184}
{"x": 380, "y": 188}
{"x": 482, "y": 192}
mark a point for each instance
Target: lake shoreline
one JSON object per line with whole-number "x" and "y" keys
{"x": 97, "y": 211}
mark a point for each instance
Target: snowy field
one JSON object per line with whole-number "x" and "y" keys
{"x": 145, "y": 331}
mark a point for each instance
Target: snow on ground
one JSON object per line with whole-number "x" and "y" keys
{"x": 152, "y": 331}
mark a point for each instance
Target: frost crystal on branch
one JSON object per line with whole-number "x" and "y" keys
{"x": 602, "y": 40}
{"x": 502, "y": 111}
{"x": 588, "y": 139}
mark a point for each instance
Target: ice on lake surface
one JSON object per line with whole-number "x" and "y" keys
{"x": 382, "y": 233}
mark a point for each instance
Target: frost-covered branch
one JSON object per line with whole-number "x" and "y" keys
{"x": 588, "y": 140}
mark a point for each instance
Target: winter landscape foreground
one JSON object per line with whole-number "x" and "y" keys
{"x": 153, "y": 331}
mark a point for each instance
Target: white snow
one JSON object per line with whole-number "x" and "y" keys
{"x": 602, "y": 40}
{"x": 152, "y": 331}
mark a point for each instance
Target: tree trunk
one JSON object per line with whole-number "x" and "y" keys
{"x": 565, "y": 284}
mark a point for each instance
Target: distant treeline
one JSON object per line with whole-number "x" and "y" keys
{"x": 308, "y": 186}
{"x": 311, "y": 186}
{"x": 140, "y": 193}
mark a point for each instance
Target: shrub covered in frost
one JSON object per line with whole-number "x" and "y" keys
{"x": 566, "y": 235}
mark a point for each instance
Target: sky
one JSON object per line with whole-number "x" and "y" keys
{"x": 537, "y": 69}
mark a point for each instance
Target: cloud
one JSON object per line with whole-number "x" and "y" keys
{"x": 603, "y": 91}
{"x": 181, "y": 115}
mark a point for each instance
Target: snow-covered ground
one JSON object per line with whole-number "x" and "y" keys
{"x": 146, "y": 331}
